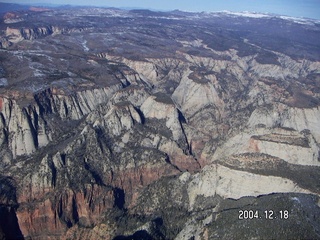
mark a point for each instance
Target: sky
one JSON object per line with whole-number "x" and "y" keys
{"x": 294, "y": 8}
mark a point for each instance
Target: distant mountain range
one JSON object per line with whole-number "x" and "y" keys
{"x": 6, "y": 7}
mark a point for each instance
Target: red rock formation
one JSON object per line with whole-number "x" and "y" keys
{"x": 253, "y": 145}
{"x": 133, "y": 180}
{"x": 186, "y": 163}
{"x": 39, "y": 9}
{"x": 11, "y": 15}
{"x": 52, "y": 216}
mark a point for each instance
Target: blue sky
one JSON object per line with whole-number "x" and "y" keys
{"x": 295, "y": 8}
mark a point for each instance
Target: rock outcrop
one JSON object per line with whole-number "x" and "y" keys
{"x": 115, "y": 127}
{"x": 290, "y": 145}
{"x": 25, "y": 129}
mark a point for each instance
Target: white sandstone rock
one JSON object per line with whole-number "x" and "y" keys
{"x": 228, "y": 183}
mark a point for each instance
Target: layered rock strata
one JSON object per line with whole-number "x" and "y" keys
{"x": 114, "y": 127}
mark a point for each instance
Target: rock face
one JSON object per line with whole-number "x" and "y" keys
{"x": 17, "y": 35}
{"x": 111, "y": 128}
{"x": 27, "y": 129}
{"x": 290, "y": 145}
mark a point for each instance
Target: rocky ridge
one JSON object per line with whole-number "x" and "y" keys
{"x": 100, "y": 142}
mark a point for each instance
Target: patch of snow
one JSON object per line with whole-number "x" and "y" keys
{"x": 3, "y": 82}
{"x": 295, "y": 199}
{"x": 68, "y": 81}
{"x": 38, "y": 73}
{"x": 84, "y": 45}
{"x": 33, "y": 86}
{"x": 300, "y": 20}
{"x": 41, "y": 55}
{"x": 163, "y": 17}
{"x": 93, "y": 62}
{"x": 18, "y": 54}
{"x": 247, "y": 14}
{"x": 71, "y": 74}
{"x": 15, "y": 20}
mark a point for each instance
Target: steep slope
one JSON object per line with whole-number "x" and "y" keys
{"x": 141, "y": 125}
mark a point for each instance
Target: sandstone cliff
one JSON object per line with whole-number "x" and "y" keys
{"x": 114, "y": 127}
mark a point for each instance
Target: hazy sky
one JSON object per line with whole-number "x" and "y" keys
{"x": 296, "y": 8}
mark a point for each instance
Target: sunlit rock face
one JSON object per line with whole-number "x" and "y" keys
{"x": 120, "y": 124}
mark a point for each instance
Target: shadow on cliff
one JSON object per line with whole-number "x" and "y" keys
{"x": 9, "y": 226}
{"x": 139, "y": 235}
{"x": 156, "y": 230}
{"x": 119, "y": 200}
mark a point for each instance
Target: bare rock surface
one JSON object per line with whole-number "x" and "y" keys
{"x": 118, "y": 124}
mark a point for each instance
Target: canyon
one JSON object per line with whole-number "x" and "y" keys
{"x": 133, "y": 124}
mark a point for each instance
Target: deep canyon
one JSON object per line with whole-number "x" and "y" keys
{"x": 136, "y": 124}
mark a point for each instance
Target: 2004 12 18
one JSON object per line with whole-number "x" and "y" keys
{"x": 267, "y": 214}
